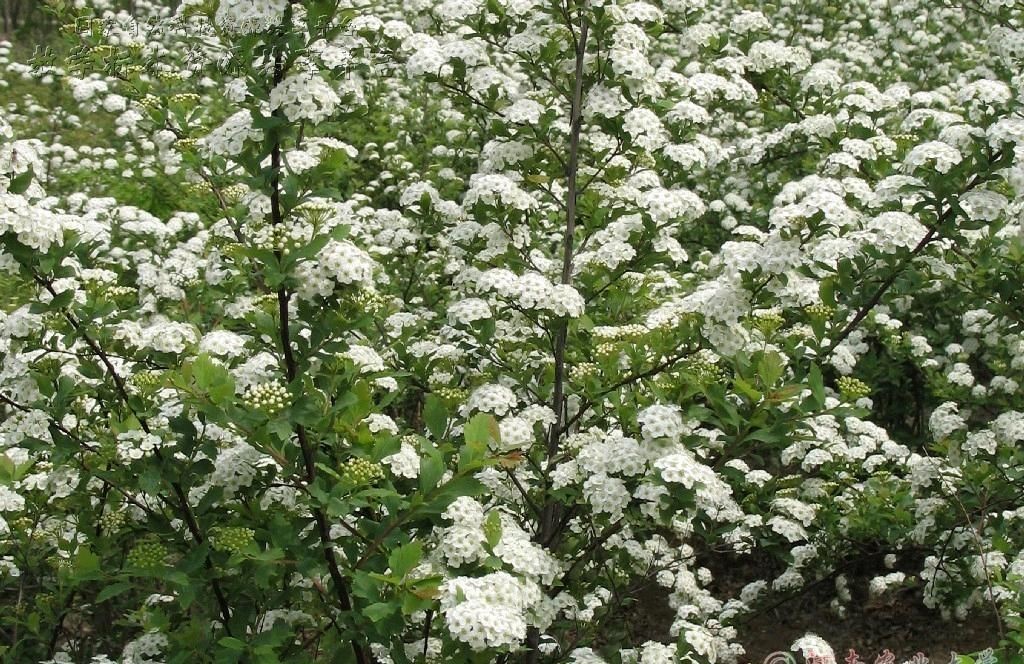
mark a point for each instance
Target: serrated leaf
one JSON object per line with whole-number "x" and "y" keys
{"x": 86, "y": 562}
{"x": 213, "y": 379}
{"x": 746, "y": 389}
{"x": 770, "y": 368}
{"x": 492, "y": 528}
{"x": 403, "y": 559}
{"x": 478, "y": 433}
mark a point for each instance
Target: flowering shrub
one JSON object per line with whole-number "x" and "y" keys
{"x": 438, "y": 331}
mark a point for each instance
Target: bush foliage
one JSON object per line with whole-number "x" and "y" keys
{"x": 416, "y": 331}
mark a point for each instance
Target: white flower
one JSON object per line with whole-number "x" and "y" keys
{"x": 606, "y": 494}
{"x": 364, "y": 357}
{"x": 659, "y": 421}
{"x": 941, "y": 155}
{"x": 493, "y": 398}
{"x": 468, "y": 310}
{"x": 813, "y": 645}
{"x": 249, "y": 16}
{"x": 305, "y": 96}
{"x": 229, "y": 138}
{"x": 10, "y": 501}
{"x": 488, "y": 611}
{"x": 377, "y": 422}
{"x": 223, "y": 343}
{"x": 945, "y": 420}
{"x": 405, "y": 462}
{"x": 338, "y": 263}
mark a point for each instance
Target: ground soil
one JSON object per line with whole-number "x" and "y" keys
{"x": 901, "y": 623}
{"x": 905, "y": 628}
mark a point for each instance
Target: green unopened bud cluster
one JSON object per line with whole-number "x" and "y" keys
{"x": 370, "y": 301}
{"x": 767, "y": 322}
{"x": 633, "y": 333}
{"x": 283, "y": 237}
{"x": 267, "y": 302}
{"x": 314, "y": 213}
{"x": 146, "y": 380}
{"x": 822, "y": 311}
{"x": 665, "y": 381}
{"x": 451, "y": 394}
{"x": 852, "y": 388}
{"x": 234, "y": 192}
{"x": 197, "y": 188}
{"x": 150, "y": 101}
{"x": 231, "y": 539}
{"x": 21, "y": 525}
{"x": 48, "y": 365}
{"x": 59, "y": 563}
{"x": 582, "y": 371}
{"x": 108, "y": 291}
{"x": 704, "y": 370}
{"x": 188, "y": 144}
{"x": 362, "y": 471}
{"x": 112, "y": 521}
{"x": 270, "y": 398}
{"x": 118, "y": 292}
{"x": 185, "y": 98}
{"x": 147, "y": 555}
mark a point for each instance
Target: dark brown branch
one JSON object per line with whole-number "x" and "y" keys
{"x": 549, "y": 517}
{"x": 181, "y": 497}
{"x": 291, "y": 371}
{"x": 943, "y": 217}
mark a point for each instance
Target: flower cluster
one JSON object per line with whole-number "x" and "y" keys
{"x": 269, "y": 398}
{"x": 478, "y": 316}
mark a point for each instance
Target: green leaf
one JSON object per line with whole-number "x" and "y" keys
{"x": 213, "y": 379}
{"x": 113, "y": 591}
{"x": 817, "y": 385}
{"x": 306, "y": 411}
{"x": 231, "y": 643}
{"x": 770, "y": 368}
{"x": 6, "y": 470}
{"x": 431, "y": 467}
{"x": 746, "y": 389}
{"x": 379, "y": 611}
{"x": 19, "y": 184}
{"x": 413, "y": 602}
{"x": 464, "y": 485}
{"x": 435, "y": 415}
{"x": 86, "y": 563}
{"x": 492, "y": 528}
{"x": 403, "y": 559}
{"x": 478, "y": 432}
{"x": 281, "y": 429}
{"x": 827, "y": 291}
